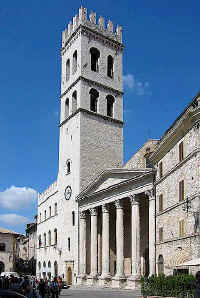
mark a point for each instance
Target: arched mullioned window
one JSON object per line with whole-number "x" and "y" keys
{"x": 160, "y": 264}
{"x": 49, "y": 237}
{"x": 74, "y": 62}
{"x": 110, "y": 66}
{"x": 39, "y": 241}
{"x": 67, "y": 108}
{"x": 67, "y": 70}
{"x": 110, "y": 104}
{"x": 55, "y": 236}
{"x": 74, "y": 101}
{"x": 95, "y": 54}
{"x": 45, "y": 239}
{"x": 39, "y": 265}
{"x": 94, "y": 94}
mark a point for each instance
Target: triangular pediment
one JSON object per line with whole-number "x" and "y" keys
{"x": 112, "y": 177}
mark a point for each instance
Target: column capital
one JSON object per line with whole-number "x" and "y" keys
{"x": 93, "y": 211}
{"x": 82, "y": 214}
{"x": 150, "y": 194}
{"x": 105, "y": 208}
{"x": 118, "y": 204}
{"x": 133, "y": 200}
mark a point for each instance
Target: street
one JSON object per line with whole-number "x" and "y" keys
{"x": 77, "y": 292}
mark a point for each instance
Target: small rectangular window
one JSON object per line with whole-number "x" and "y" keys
{"x": 160, "y": 203}
{"x": 73, "y": 218}
{"x": 2, "y": 247}
{"x": 69, "y": 244}
{"x": 161, "y": 169}
{"x": 180, "y": 151}
{"x": 160, "y": 234}
{"x": 181, "y": 228}
{"x": 181, "y": 190}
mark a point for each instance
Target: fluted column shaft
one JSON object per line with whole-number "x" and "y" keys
{"x": 135, "y": 245}
{"x": 82, "y": 243}
{"x": 93, "y": 213}
{"x": 105, "y": 241}
{"x": 119, "y": 238}
{"x": 151, "y": 232}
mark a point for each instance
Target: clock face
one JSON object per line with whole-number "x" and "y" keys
{"x": 68, "y": 192}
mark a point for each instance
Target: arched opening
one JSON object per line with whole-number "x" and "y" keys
{"x": 49, "y": 211}
{"x": 67, "y": 108}
{"x": 74, "y": 101}
{"x": 2, "y": 247}
{"x": 55, "y": 269}
{"x": 49, "y": 238}
{"x": 160, "y": 264}
{"x": 110, "y": 66}
{"x": 69, "y": 276}
{"x": 69, "y": 244}
{"x": 55, "y": 237}
{"x": 94, "y": 94}
{"x": 2, "y": 267}
{"x": 39, "y": 241}
{"x": 39, "y": 267}
{"x": 49, "y": 270}
{"x": 44, "y": 270}
{"x": 95, "y": 54}
{"x": 45, "y": 239}
{"x": 67, "y": 70}
{"x": 68, "y": 166}
{"x": 74, "y": 62}
{"x": 110, "y": 105}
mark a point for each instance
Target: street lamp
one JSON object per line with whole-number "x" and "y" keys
{"x": 187, "y": 205}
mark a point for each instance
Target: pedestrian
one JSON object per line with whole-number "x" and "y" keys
{"x": 197, "y": 290}
{"x": 41, "y": 288}
{"x": 54, "y": 288}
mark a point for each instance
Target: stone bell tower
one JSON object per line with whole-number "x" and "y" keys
{"x": 91, "y": 122}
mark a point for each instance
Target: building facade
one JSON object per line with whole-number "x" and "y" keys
{"x": 7, "y": 250}
{"x": 104, "y": 223}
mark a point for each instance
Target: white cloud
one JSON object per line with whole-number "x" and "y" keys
{"x": 16, "y": 198}
{"x": 138, "y": 87}
{"x": 13, "y": 219}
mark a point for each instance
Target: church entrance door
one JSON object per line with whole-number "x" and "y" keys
{"x": 69, "y": 276}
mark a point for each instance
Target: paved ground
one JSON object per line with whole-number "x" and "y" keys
{"x": 77, "y": 292}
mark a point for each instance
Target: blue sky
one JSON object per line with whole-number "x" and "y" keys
{"x": 161, "y": 71}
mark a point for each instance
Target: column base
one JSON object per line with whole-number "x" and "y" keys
{"x": 119, "y": 281}
{"x": 81, "y": 279}
{"x": 133, "y": 282}
{"x": 92, "y": 279}
{"x": 105, "y": 280}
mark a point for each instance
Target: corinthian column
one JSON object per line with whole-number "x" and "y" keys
{"x": 82, "y": 246}
{"x": 119, "y": 239}
{"x": 151, "y": 196}
{"x": 135, "y": 228}
{"x": 93, "y": 213}
{"x": 105, "y": 242}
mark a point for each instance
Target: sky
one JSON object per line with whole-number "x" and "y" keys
{"x": 161, "y": 69}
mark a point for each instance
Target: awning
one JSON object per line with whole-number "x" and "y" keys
{"x": 194, "y": 262}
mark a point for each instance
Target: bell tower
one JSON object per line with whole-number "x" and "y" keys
{"x": 91, "y": 118}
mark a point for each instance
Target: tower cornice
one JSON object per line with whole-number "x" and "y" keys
{"x": 91, "y": 113}
{"x": 94, "y": 83}
{"x": 93, "y": 35}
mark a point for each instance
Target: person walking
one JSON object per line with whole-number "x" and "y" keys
{"x": 54, "y": 287}
{"x": 41, "y": 288}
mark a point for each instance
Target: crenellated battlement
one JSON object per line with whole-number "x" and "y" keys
{"x": 93, "y": 24}
{"x": 49, "y": 191}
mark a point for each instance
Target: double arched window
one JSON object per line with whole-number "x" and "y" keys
{"x": 67, "y": 70}
{"x": 110, "y": 103}
{"x": 74, "y": 62}
{"x": 94, "y": 94}
{"x": 110, "y": 66}
{"x": 74, "y": 101}
{"x": 95, "y": 54}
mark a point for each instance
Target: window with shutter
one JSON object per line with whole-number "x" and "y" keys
{"x": 181, "y": 190}
{"x": 181, "y": 151}
{"x": 160, "y": 234}
{"x": 161, "y": 169}
{"x": 160, "y": 203}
